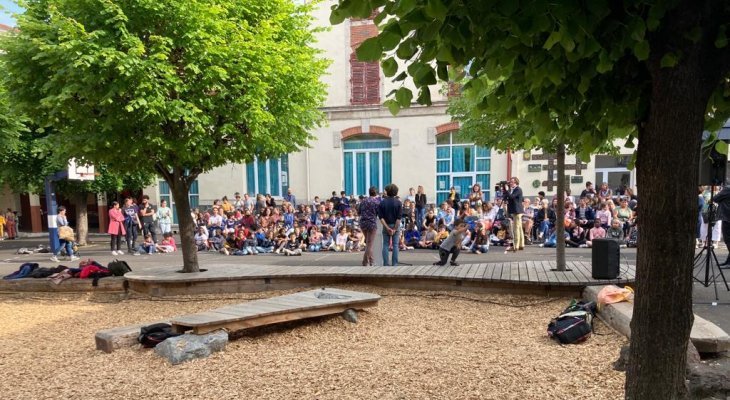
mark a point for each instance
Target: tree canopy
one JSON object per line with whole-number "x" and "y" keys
{"x": 178, "y": 87}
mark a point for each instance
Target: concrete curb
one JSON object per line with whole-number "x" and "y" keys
{"x": 109, "y": 340}
{"x": 706, "y": 336}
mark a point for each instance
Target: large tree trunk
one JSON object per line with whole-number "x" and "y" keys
{"x": 80, "y": 201}
{"x": 560, "y": 212}
{"x": 186, "y": 225}
{"x": 667, "y": 170}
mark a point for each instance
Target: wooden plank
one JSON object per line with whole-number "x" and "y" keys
{"x": 447, "y": 272}
{"x": 478, "y": 270}
{"x": 205, "y": 318}
{"x": 580, "y": 271}
{"x": 522, "y": 268}
{"x": 497, "y": 272}
{"x": 417, "y": 271}
{"x": 488, "y": 271}
{"x": 277, "y": 318}
{"x": 428, "y": 273}
{"x": 514, "y": 275}
{"x": 464, "y": 271}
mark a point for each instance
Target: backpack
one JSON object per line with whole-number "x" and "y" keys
{"x": 574, "y": 324}
{"x": 118, "y": 267}
{"x": 152, "y": 335}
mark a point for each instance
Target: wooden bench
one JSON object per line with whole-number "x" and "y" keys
{"x": 313, "y": 303}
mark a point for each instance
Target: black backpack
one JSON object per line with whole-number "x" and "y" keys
{"x": 152, "y": 335}
{"x": 118, "y": 267}
{"x": 574, "y": 324}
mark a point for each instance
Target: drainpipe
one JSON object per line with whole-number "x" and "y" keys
{"x": 509, "y": 164}
{"x": 306, "y": 155}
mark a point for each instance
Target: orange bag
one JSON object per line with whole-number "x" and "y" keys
{"x": 613, "y": 294}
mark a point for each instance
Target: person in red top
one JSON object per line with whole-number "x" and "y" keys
{"x": 116, "y": 228}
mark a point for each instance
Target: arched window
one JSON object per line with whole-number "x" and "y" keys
{"x": 367, "y": 162}
{"x": 460, "y": 163}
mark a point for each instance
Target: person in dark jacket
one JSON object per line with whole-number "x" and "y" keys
{"x": 421, "y": 203}
{"x": 389, "y": 213}
{"x": 722, "y": 200}
{"x": 513, "y": 197}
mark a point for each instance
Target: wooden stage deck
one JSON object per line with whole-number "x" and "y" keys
{"x": 519, "y": 277}
{"x": 292, "y": 307}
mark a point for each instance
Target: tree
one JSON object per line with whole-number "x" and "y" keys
{"x": 171, "y": 86}
{"x": 503, "y": 132}
{"x": 28, "y": 160}
{"x": 656, "y": 71}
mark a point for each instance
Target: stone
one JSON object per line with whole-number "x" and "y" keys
{"x": 706, "y": 336}
{"x": 109, "y": 340}
{"x": 709, "y": 379}
{"x": 350, "y": 315}
{"x": 190, "y": 346}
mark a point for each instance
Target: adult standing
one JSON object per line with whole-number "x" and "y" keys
{"x": 454, "y": 199}
{"x": 389, "y": 213}
{"x": 289, "y": 197}
{"x": 131, "y": 223}
{"x": 369, "y": 223}
{"x": 421, "y": 203}
{"x": 722, "y": 200}
{"x": 164, "y": 217}
{"x": 10, "y": 224}
{"x": 65, "y": 236}
{"x": 116, "y": 228}
{"x": 513, "y": 196}
{"x": 148, "y": 213}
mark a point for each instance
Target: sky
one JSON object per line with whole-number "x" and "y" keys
{"x": 8, "y": 7}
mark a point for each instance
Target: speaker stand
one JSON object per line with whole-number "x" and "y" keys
{"x": 706, "y": 260}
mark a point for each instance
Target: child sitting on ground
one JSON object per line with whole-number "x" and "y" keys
{"x": 597, "y": 232}
{"x": 412, "y": 236}
{"x": 429, "y": 238}
{"x": 328, "y": 242}
{"x": 341, "y": 240}
{"x": 148, "y": 246}
{"x": 168, "y": 244}
{"x": 480, "y": 244}
{"x": 201, "y": 239}
{"x": 616, "y": 232}
{"x": 353, "y": 241}
{"x": 452, "y": 244}
{"x": 216, "y": 243}
{"x": 292, "y": 246}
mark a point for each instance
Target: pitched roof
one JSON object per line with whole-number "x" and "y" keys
{"x": 5, "y": 28}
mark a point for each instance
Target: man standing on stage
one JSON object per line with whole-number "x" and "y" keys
{"x": 389, "y": 213}
{"x": 513, "y": 196}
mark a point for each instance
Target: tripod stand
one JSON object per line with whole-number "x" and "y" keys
{"x": 706, "y": 261}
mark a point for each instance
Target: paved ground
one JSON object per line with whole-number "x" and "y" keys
{"x": 704, "y": 297}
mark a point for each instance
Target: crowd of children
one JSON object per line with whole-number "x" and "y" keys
{"x": 250, "y": 226}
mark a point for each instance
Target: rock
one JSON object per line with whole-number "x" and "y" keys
{"x": 693, "y": 357}
{"x": 189, "y": 346}
{"x": 350, "y": 315}
{"x": 709, "y": 379}
{"x": 623, "y": 359}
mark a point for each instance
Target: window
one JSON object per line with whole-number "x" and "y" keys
{"x": 268, "y": 176}
{"x": 193, "y": 196}
{"x": 367, "y": 162}
{"x": 365, "y": 81}
{"x": 461, "y": 164}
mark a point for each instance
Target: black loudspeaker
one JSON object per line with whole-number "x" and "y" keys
{"x": 713, "y": 167}
{"x": 606, "y": 253}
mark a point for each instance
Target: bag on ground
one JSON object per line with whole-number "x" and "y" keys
{"x": 574, "y": 324}
{"x": 118, "y": 267}
{"x": 152, "y": 335}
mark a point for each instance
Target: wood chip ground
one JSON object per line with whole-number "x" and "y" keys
{"x": 413, "y": 345}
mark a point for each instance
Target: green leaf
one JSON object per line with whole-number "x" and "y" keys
{"x": 407, "y": 49}
{"x": 369, "y": 50}
{"x": 694, "y": 35}
{"x": 404, "y": 96}
{"x": 390, "y": 66}
{"x": 721, "y": 39}
{"x": 637, "y": 29}
{"x": 401, "y": 77}
{"x": 337, "y": 16}
{"x": 508, "y": 7}
{"x": 424, "y": 96}
{"x": 393, "y": 106}
{"x": 599, "y": 8}
{"x": 403, "y": 7}
{"x": 390, "y": 38}
{"x": 442, "y": 71}
{"x": 552, "y": 40}
{"x": 669, "y": 60}
{"x": 641, "y": 50}
{"x": 436, "y": 9}
{"x": 721, "y": 146}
